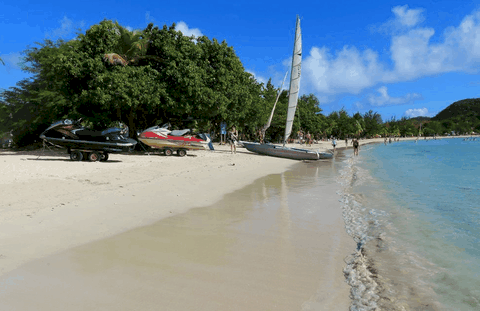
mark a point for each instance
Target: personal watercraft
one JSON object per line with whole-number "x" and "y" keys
{"x": 83, "y": 143}
{"x": 177, "y": 140}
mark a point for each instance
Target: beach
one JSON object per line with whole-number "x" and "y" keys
{"x": 52, "y": 207}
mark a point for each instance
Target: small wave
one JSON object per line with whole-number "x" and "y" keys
{"x": 370, "y": 288}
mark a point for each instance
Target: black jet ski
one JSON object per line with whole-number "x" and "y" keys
{"x": 83, "y": 143}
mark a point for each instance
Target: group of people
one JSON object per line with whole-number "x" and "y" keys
{"x": 308, "y": 138}
{"x": 355, "y": 143}
{"x": 389, "y": 140}
{"x": 232, "y": 138}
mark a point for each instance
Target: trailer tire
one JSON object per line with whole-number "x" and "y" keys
{"x": 94, "y": 156}
{"x": 104, "y": 157}
{"x": 76, "y": 155}
{"x": 181, "y": 152}
{"x": 168, "y": 152}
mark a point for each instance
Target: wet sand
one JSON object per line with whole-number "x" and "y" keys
{"x": 275, "y": 244}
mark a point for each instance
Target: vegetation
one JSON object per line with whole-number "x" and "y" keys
{"x": 145, "y": 77}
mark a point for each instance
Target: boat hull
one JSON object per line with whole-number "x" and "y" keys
{"x": 285, "y": 152}
{"x": 159, "y": 141}
{"x": 123, "y": 145}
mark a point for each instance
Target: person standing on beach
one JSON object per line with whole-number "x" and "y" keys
{"x": 346, "y": 142}
{"x": 309, "y": 139}
{"x": 356, "y": 146}
{"x": 232, "y": 139}
{"x": 334, "y": 143}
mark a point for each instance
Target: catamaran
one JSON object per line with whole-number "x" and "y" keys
{"x": 283, "y": 151}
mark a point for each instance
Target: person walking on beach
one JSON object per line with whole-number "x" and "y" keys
{"x": 300, "y": 136}
{"x": 309, "y": 139}
{"x": 346, "y": 141}
{"x": 334, "y": 143}
{"x": 232, "y": 139}
{"x": 356, "y": 146}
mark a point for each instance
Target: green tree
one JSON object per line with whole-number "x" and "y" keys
{"x": 331, "y": 128}
{"x": 359, "y": 124}
{"x": 169, "y": 77}
{"x": 373, "y": 123}
{"x": 308, "y": 114}
{"x": 435, "y": 127}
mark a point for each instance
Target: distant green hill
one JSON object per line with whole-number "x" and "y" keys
{"x": 421, "y": 118}
{"x": 465, "y": 108}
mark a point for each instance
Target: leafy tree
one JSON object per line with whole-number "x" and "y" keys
{"x": 258, "y": 114}
{"x": 346, "y": 125}
{"x": 359, "y": 124}
{"x": 308, "y": 114}
{"x": 434, "y": 127}
{"x": 331, "y": 128}
{"x": 169, "y": 77}
{"x": 373, "y": 123}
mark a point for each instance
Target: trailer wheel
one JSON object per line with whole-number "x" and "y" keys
{"x": 168, "y": 152}
{"x": 182, "y": 152}
{"x": 104, "y": 157}
{"x": 76, "y": 155}
{"x": 94, "y": 156}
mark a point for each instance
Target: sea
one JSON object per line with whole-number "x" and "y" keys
{"x": 413, "y": 209}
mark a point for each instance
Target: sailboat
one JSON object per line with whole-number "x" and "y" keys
{"x": 282, "y": 151}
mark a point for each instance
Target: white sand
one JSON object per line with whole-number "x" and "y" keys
{"x": 50, "y": 203}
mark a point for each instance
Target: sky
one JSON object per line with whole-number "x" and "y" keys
{"x": 400, "y": 59}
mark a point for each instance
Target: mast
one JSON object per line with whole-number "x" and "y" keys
{"x": 294, "y": 81}
{"x": 266, "y": 126}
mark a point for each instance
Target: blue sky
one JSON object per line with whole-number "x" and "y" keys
{"x": 396, "y": 58}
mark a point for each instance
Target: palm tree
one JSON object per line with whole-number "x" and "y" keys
{"x": 131, "y": 46}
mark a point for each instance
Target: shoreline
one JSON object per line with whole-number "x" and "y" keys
{"x": 389, "y": 271}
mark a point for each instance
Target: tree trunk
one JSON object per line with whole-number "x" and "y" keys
{"x": 132, "y": 125}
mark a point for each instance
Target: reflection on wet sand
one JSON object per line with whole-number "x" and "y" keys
{"x": 277, "y": 244}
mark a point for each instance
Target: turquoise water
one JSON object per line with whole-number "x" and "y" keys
{"x": 414, "y": 210}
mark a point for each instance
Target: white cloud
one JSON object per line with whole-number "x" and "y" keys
{"x": 417, "y": 112}
{"x": 183, "y": 27}
{"x": 260, "y": 79}
{"x": 383, "y": 99}
{"x": 350, "y": 71}
{"x": 403, "y": 19}
{"x": 412, "y": 55}
{"x": 149, "y": 18}
{"x": 12, "y": 60}
{"x": 407, "y": 17}
{"x": 358, "y": 105}
{"x": 67, "y": 28}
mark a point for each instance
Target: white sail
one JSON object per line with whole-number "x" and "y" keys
{"x": 294, "y": 81}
